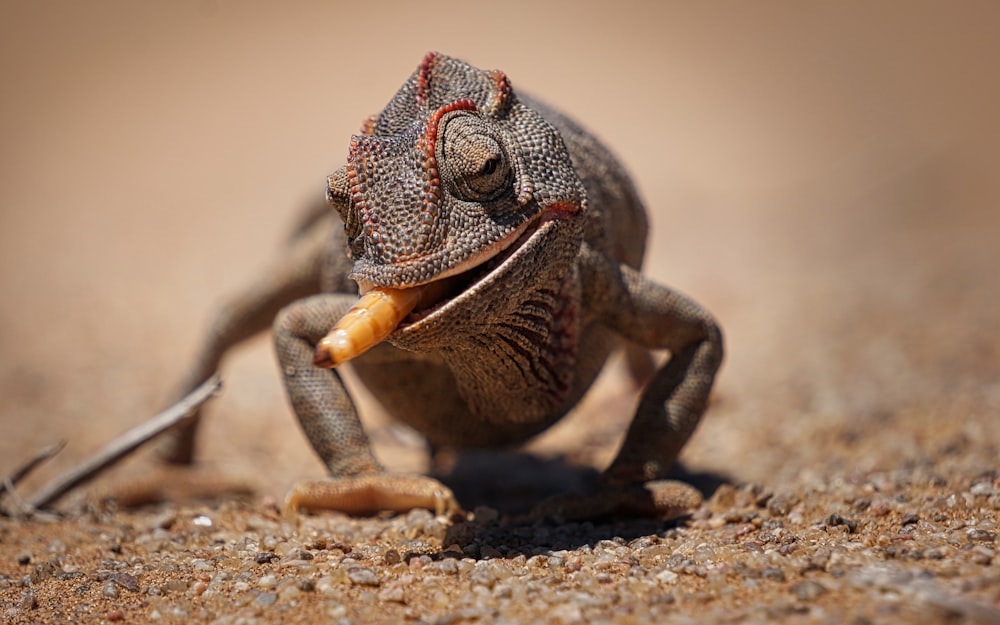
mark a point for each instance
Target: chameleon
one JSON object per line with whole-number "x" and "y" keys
{"x": 518, "y": 239}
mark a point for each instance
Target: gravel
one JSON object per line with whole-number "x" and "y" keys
{"x": 741, "y": 556}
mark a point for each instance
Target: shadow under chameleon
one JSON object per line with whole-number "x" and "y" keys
{"x": 512, "y": 483}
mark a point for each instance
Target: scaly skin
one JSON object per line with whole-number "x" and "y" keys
{"x": 532, "y": 235}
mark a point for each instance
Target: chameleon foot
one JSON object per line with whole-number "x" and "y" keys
{"x": 365, "y": 495}
{"x": 663, "y": 499}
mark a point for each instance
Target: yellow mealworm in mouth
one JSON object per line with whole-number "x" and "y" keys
{"x": 366, "y": 324}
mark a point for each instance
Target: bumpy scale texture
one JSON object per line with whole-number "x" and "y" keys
{"x": 533, "y": 235}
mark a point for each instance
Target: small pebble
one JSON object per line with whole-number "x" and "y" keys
{"x": 361, "y": 576}
{"x": 780, "y": 504}
{"x": 667, "y": 576}
{"x": 174, "y": 585}
{"x": 419, "y": 562}
{"x": 265, "y": 599}
{"x": 339, "y": 546}
{"x": 109, "y": 589}
{"x": 44, "y": 571}
{"x": 808, "y": 590}
{"x": 981, "y": 489}
{"x": 879, "y": 508}
{"x": 392, "y": 593}
{"x": 773, "y": 574}
{"x": 447, "y": 566}
{"x": 267, "y": 581}
{"x": 835, "y": 520}
{"x": 297, "y": 553}
{"x": 982, "y": 555}
{"x": 289, "y": 592}
{"x": 197, "y": 588}
{"x": 126, "y": 581}
{"x": 201, "y": 521}
{"x": 392, "y": 557}
{"x": 981, "y": 536}
{"x": 28, "y": 601}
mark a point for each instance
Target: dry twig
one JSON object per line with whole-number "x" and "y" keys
{"x": 33, "y": 463}
{"x": 21, "y": 472}
{"x": 124, "y": 445}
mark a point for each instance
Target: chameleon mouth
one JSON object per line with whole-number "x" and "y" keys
{"x": 537, "y": 241}
{"x": 450, "y": 283}
{"x": 381, "y": 311}
{"x": 447, "y": 289}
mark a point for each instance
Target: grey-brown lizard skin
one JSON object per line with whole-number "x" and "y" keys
{"x": 455, "y": 167}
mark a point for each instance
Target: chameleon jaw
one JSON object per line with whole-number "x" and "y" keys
{"x": 381, "y": 310}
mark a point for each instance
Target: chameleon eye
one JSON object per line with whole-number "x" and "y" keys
{"x": 489, "y": 166}
{"x": 476, "y": 164}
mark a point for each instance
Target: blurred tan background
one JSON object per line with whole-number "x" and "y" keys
{"x": 825, "y": 178}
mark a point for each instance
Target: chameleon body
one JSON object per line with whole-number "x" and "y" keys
{"x": 532, "y": 236}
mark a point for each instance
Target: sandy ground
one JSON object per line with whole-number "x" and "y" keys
{"x": 826, "y": 180}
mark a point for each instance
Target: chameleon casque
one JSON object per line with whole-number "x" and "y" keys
{"x": 525, "y": 237}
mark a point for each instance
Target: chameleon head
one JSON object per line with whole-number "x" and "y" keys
{"x": 451, "y": 180}
{"x": 451, "y": 174}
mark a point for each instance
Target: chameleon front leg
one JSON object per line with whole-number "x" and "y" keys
{"x": 656, "y": 317}
{"x": 676, "y": 397}
{"x": 358, "y": 484}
